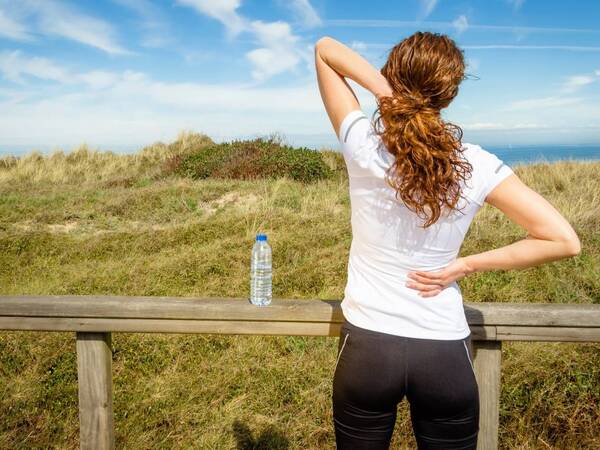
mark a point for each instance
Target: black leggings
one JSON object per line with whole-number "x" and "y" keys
{"x": 375, "y": 370}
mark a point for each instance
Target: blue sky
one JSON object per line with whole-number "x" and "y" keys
{"x": 120, "y": 74}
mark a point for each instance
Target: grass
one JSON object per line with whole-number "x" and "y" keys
{"x": 100, "y": 223}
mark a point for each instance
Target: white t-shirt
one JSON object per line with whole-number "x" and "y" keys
{"x": 387, "y": 241}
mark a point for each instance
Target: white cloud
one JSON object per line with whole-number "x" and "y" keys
{"x": 541, "y": 103}
{"x": 18, "y": 68}
{"x": 215, "y": 97}
{"x": 14, "y": 66}
{"x": 575, "y": 82}
{"x": 273, "y": 33}
{"x": 98, "y": 79}
{"x": 225, "y": 11}
{"x": 132, "y": 108}
{"x": 461, "y": 24}
{"x": 268, "y": 62}
{"x": 12, "y": 29}
{"x": 57, "y": 19}
{"x": 428, "y": 6}
{"x": 136, "y": 109}
{"x": 306, "y": 12}
{"x": 139, "y": 86}
{"x": 280, "y": 51}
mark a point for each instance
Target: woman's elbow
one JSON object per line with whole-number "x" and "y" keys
{"x": 571, "y": 245}
{"x": 323, "y": 41}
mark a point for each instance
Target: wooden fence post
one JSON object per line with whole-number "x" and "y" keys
{"x": 487, "y": 363}
{"x": 94, "y": 374}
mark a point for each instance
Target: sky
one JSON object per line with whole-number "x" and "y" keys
{"x": 121, "y": 74}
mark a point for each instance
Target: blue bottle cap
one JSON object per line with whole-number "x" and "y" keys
{"x": 261, "y": 237}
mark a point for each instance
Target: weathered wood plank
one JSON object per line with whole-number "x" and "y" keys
{"x": 190, "y": 326}
{"x": 533, "y": 314}
{"x": 564, "y": 334}
{"x": 234, "y": 327}
{"x": 170, "y": 326}
{"x": 297, "y": 310}
{"x": 487, "y": 364}
{"x": 94, "y": 375}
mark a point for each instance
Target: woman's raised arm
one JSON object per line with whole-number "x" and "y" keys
{"x": 333, "y": 62}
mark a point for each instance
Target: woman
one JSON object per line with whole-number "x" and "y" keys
{"x": 414, "y": 190}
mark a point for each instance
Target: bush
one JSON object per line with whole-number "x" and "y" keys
{"x": 252, "y": 159}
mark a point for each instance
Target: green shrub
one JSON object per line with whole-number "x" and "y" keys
{"x": 252, "y": 159}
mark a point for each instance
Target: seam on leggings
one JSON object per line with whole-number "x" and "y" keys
{"x": 341, "y": 350}
{"x": 467, "y": 350}
{"x": 405, "y": 365}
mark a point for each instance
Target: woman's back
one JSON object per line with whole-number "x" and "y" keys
{"x": 388, "y": 239}
{"x": 410, "y": 338}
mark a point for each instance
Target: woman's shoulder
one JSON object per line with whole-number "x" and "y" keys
{"x": 488, "y": 170}
{"x": 476, "y": 152}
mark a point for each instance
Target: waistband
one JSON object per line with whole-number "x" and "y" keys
{"x": 382, "y": 335}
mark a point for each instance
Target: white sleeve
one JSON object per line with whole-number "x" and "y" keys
{"x": 492, "y": 170}
{"x": 356, "y": 139}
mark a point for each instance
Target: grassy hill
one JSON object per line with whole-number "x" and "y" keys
{"x": 101, "y": 223}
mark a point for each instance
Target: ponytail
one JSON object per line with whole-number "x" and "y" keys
{"x": 428, "y": 166}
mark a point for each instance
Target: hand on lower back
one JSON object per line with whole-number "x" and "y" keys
{"x": 432, "y": 283}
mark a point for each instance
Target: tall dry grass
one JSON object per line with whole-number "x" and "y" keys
{"x": 86, "y": 166}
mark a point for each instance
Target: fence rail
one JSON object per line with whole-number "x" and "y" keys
{"x": 93, "y": 319}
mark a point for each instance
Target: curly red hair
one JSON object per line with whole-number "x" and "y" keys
{"x": 424, "y": 71}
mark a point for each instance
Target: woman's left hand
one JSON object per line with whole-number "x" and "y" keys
{"x": 430, "y": 284}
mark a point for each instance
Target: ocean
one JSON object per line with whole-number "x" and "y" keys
{"x": 544, "y": 153}
{"x": 512, "y": 154}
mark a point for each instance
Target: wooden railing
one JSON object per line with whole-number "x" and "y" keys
{"x": 94, "y": 318}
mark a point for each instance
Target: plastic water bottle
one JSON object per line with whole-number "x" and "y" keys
{"x": 261, "y": 272}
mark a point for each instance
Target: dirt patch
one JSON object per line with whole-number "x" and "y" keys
{"x": 235, "y": 199}
{"x": 24, "y": 226}
{"x": 63, "y": 227}
{"x": 29, "y": 225}
{"x": 231, "y": 199}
